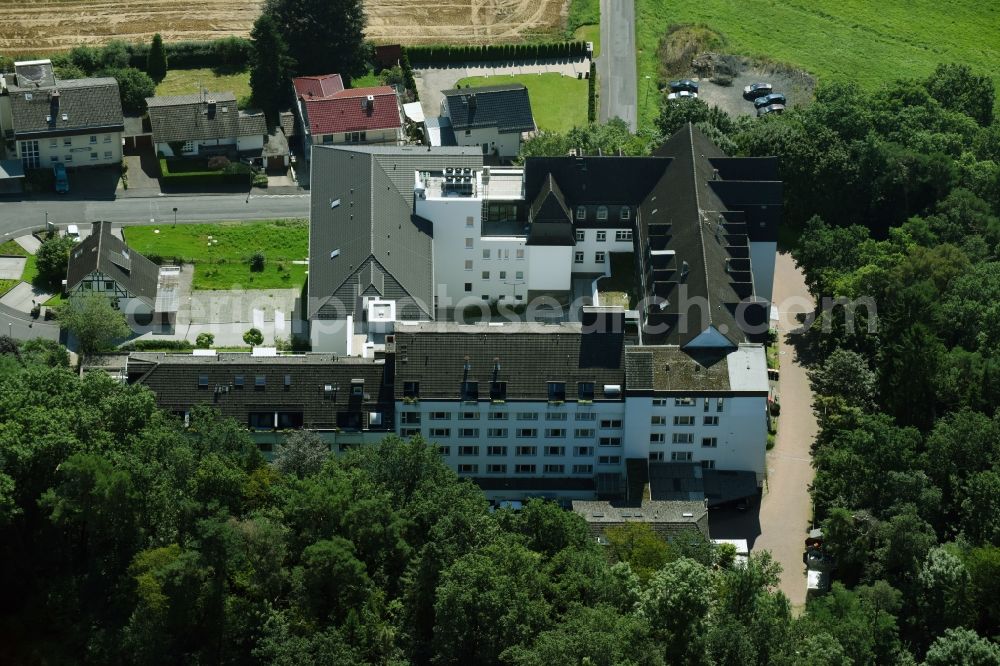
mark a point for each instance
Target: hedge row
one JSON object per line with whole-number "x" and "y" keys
{"x": 446, "y": 54}
{"x": 157, "y": 345}
{"x": 228, "y": 53}
{"x": 241, "y": 177}
{"x": 592, "y": 93}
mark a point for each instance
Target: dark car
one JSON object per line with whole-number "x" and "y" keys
{"x": 772, "y": 108}
{"x": 768, "y": 100}
{"x": 755, "y": 90}
{"x": 683, "y": 84}
{"x": 61, "y": 180}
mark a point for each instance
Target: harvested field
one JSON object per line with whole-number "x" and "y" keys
{"x": 36, "y": 26}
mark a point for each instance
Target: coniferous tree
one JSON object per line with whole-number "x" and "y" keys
{"x": 156, "y": 60}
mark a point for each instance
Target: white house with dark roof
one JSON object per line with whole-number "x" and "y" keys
{"x": 77, "y": 122}
{"x": 494, "y": 118}
{"x": 206, "y": 123}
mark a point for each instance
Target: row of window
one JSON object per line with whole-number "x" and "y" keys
{"x": 501, "y": 468}
{"x": 501, "y": 253}
{"x": 720, "y": 403}
{"x": 260, "y": 383}
{"x": 659, "y": 420}
{"x": 68, "y": 159}
{"x": 470, "y": 245}
{"x": 602, "y": 235}
{"x": 502, "y": 275}
{"x": 683, "y": 438}
{"x": 602, "y": 213}
{"x": 521, "y": 433}
{"x": 413, "y": 418}
{"x": 68, "y": 140}
{"x": 599, "y": 257}
{"x": 679, "y": 456}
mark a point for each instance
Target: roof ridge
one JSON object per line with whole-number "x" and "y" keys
{"x": 701, "y": 237}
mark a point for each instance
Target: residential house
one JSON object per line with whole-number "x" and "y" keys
{"x": 205, "y": 124}
{"x": 44, "y": 120}
{"x": 103, "y": 264}
{"x": 329, "y": 114}
{"x": 493, "y": 118}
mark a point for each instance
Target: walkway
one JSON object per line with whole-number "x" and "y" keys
{"x": 785, "y": 509}
{"x": 616, "y": 64}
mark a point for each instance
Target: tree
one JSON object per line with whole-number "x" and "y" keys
{"x": 52, "y": 259}
{"x": 257, "y": 260}
{"x": 845, "y": 374}
{"x": 962, "y": 647}
{"x": 945, "y": 591}
{"x": 334, "y": 581}
{"x": 134, "y": 86}
{"x": 94, "y": 322}
{"x": 204, "y": 340}
{"x": 676, "y": 605}
{"x": 270, "y": 66}
{"x": 302, "y": 454}
{"x": 253, "y": 337}
{"x": 115, "y": 55}
{"x": 956, "y": 87}
{"x": 639, "y": 546}
{"x": 329, "y": 34}
{"x": 156, "y": 59}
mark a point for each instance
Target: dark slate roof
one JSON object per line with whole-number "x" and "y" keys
{"x": 251, "y": 123}
{"x": 586, "y": 181}
{"x": 549, "y": 218}
{"x": 174, "y": 378}
{"x": 440, "y": 356}
{"x": 101, "y": 251}
{"x": 374, "y": 220}
{"x": 506, "y": 107}
{"x": 288, "y": 123}
{"x": 187, "y": 117}
{"x": 669, "y": 520}
{"x": 88, "y": 104}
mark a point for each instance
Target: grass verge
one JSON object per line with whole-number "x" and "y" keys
{"x": 868, "y": 42}
{"x": 190, "y": 81}
{"x": 7, "y": 285}
{"x": 589, "y": 33}
{"x": 221, "y": 252}
{"x": 559, "y": 103}
{"x": 12, "y": 249}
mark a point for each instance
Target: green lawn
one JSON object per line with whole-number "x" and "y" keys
{"x": 225, "y": 264}
{"x": 12, "y": 249}
{"x": 369, "y": 80}
{"x": 188, "y": 81}
{"x": 7, "y": 285}
{"x": 559, "y": 103}
{"x": 589, "y": 33}
{"x": 619, "y": 288}
{"x": 861, "y": 40}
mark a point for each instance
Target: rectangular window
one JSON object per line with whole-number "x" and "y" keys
{"x": 527, "y": 416}
{"x": 260, "y": 420}
{"x": 657, "y": 438}
{"x": 683, "y": 438}
{"x": 720, "y": 404}
{"x": 497, "y": 416}
{"x": 443, "y": 450}
{"x": 468, "y": 469}
{"x": 203, "y": 382}
{"x": 706, "y": 405}
{"x": 415, "y": 432}
{"x": 68, "y": 159}
{"x": 411, "y": 389}
{"x": 581, "y": 212}
{"x": 623, "y": 235}
{"x": 527, "y": 432}
{"x": 238, "y": 382}
{"x": 468, "y": 450}
{"x": 583, "y": 451}
{"x": 599, "y": 257}
{"x": 496, "y": 450}
{"x": 602, "y": 236}
{"x": 526, "y": 451}
{"x": 468, "y": 243}
{"x": 503, "y": 275}
{"x": 584, "y": 433}
{"x": 711, "y": 420}
{"x": 555, "y": 416}
{"x": 602, "y": 212}
{"x": 656, "y": 456}
{"x": 683, "y": 402}
{"x": 585, "y": 390}
{"x": 581, "y": 235}
{"x": 107, "y": 138}
{"x": 468, "y": 432}
{"x": 519, "y": 275}
{"x": 680, "y": 456}
{"x": 93, "y": 138}
{"x": 68, "y": 141}
{"x": 496, "y": 432}
{"x": 610, "y": 441}
{"x": 486, "y": 275}
{"x": 468, "y": 264}
{"x": 585, "y": 416}
{"x": 554, "y": 433}
{"x": 107, "y": 154}
{"x": 625, "y": 214}
{"x": 554, "y": 469}
{"x": 53, "y": 143}
{"x": 710, "y": 442}
{"x": 556, "y": 391}
{"x": 583, "y": 469}
{"x": 485, "y": 297}
{"x": 708, "y": 464}
{"x": 609, "y": 460}
{"x": 611, "y": 423}
{"x": 524, "y": 469}
{"x": 486, "y": 254}
{"x": 327, "y": 138}
{"x": 259, "y": 382}
{"x": 657, "y": 420}
{"x": 578, "y": 257}
{"x": 410, "y": 418}
{"x": 659, "y": 402}
{"x": 683, "y": 420}
{"x": 555, "y": 451}
{"x": 440, "y": 432}
{"x": 496, "y": 469}
{"x": 440, "y": 416}
{"x": 469, "y": 222}
{"x": 519, "y": 253}
{"x": 93, "y": 157}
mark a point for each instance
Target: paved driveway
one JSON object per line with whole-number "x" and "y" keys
{"x": 11, "y": 267}
{"x": 616, "y": 64}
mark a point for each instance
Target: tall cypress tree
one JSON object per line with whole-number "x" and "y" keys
{"x": 270, "y": 67}
{"x": 156, "y": 60}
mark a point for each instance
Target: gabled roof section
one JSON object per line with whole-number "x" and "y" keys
{"x": 197, "y": 117}
{"x": 102, "y": 252}
{"x": 362, "y": 212}
{"x": 506, "y": 107}
{"x": 352, "y": 111}
{"x": 549, "y": 218}
{"x": 585, "y": 181}
{"x": 318, "y": 86}
{"x": 86, "y": 104}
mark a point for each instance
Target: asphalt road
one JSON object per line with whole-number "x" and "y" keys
{"x": 18, "y": 217}
{"x": 616, "y": 64}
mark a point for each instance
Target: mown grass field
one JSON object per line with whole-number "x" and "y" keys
{"x": 559, "y": 103}
{"x": 190, "y": 81}
{"x": 864, "y": 40}
{"x": 221, "y": 252}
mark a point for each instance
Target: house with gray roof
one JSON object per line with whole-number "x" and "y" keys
{"x": 493, "y": 118}
{"x": 103, "y": 264}
{"x": 205, "y": 124}
{"x": 76, "y": 122}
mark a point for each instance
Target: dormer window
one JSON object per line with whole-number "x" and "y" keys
{"x": 585, "y": 390}
{"x": 498, "y": 391}
{"x": 557, "y": 391}
{"x": 203, "y": 382}
{"x": 626, "y": 213}
{"x": 411, "y": 390}
{"x": 602, "y": 212}
{"x": 470, "y": 391}
{"x": 357, "y": 388}
{"x": 581, "y": 212}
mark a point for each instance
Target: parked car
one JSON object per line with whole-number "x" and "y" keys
{"x": 683, "y": 84}
{"x": 755, "y": 90}
{"x": 772, "y": 108}
{"x": 682, "y": 94}
{"x": 768, "y": 100}
{"x": 62, "y": 180}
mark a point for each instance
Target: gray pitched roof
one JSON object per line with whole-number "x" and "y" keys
{"x": 103, "y": 252}
{"x": 190, "y": 118}
{"x": 440, "y": 356}
{"x": 87, "y": 104}
{"x": 592, "y": 180}
{"x": 362, "y": 230}
{"x": 549, "y": 218}
{"x": 506, "y": 107}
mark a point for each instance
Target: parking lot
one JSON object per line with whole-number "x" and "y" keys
{"x": 796, "y": 86}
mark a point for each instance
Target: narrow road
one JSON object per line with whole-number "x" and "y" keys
{"x": 616, "y": 64}
{"x": 785, "y": 508}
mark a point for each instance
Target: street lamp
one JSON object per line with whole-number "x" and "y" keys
{"x": 646, "y": 101}
{"x": 175, "y": 216}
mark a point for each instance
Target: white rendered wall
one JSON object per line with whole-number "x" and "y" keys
{"x": 331, "y": 335}
{"x": 108, "y": 148}
{"x": 590, "y": 246}
{"x": 255, "y": 142}
{"x": 550, "y": 268}
{"x": 507, "y": 145}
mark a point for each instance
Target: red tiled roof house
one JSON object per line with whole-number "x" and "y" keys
{"x": 329, "y": 114}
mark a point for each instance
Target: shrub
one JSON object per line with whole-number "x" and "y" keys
{"x": 204, "y": 340}
{"x": 157, "y": 345}
{"x": 218, "y": 163}
{"x": 257, "y": 261}
{"x": 52, "y": 258}
{"x": 253, "y": 337}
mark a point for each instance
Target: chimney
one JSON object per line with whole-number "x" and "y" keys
{"x": 369, "y": 103}
{"x": 210, "y": 110}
